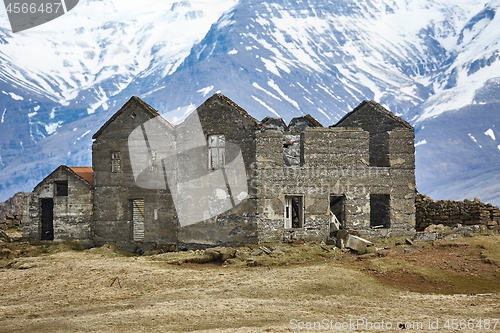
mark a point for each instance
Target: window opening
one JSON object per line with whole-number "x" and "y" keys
{"x": 294, "y": 211}
{"x": 216, "y": 151}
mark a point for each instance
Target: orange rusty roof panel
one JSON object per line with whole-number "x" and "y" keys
{"x": 86, "y": 173}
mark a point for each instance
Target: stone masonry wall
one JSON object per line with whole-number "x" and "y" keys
{"x": 347, "y": 173}
{"x": 451, "y": 213}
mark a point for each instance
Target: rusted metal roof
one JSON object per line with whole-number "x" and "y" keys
{"x": 86, "y": 173}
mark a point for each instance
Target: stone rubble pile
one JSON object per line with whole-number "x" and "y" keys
{"x": 11, "y": 221}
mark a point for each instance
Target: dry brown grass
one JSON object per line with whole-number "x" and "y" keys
{"x": 62, "y": 288}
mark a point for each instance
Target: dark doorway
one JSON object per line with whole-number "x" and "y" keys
{"x": 47, "y": 219}
{"x": 380, "y": 211}
{"x": 337, "y": 212}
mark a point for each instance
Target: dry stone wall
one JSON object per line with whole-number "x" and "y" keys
{"x": 451, "y": 213}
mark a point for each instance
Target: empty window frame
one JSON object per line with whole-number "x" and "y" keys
{"x": 116, "y": 162}
{"x": 61, "y": 188}
{"x": 293, "y": 150}
{"x": 216, "y": 151}
{"x": 294, "y": 211}
{"x": 379, "y": 149}
{"x": 138, "y": 215}
{"x": 380, "y": 211}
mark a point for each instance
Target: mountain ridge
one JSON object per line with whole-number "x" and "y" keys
{"x": 275, "y": 58}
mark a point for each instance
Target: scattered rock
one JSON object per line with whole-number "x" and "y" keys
{"x": 256, "y": 253}
{"x": 426, "y": 236}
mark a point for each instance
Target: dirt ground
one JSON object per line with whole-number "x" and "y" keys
{"x": 450, "y": 285}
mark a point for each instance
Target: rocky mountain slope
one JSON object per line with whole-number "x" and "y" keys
{"x": 435, "y": 63}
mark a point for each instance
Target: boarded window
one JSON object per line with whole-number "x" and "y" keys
{"x": 61, "y": 189}
{"x": 116, "y": 162}
{"x": 216, "y": 151}
{"x": 138, "y": 219}
{"x": 380, "y": 211}
{"x": 294, "y": 211}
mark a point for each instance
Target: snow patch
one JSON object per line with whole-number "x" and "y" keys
{"x": 273, "y": 85}
{"x": 13, "y": 96}
{"x": 491, "y": 134}
{"x": 3, "y": 114}
{"x": 266, "y": 106}
{"x": 53, "y": 112}
{"x": 420, "y": 143}
{"x": 324, "y": 114}
{"x": 256, "y": 85}
{"x": 205, "y": 91}
{"x": 178, "y": 115}
{"x": 16, "y": 97}
{"x": 271, "y": 66}
{"x": 36, "y": 108}
{"x": 233, "y": 51}
{"x": 84, "y": 134}
{"x": 472, "y": 137}
{"x": 52, "y": 128}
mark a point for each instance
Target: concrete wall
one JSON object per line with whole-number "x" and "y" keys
{"x": 72, "y": 214}
{"x": 335, "y": 163}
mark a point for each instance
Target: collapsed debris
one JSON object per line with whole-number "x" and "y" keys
{"x": 352, "y": 242}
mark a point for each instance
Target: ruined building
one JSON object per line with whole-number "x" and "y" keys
{"x": 304, "y": 181}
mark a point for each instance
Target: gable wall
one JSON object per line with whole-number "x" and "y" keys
{"x": 114, "y": 191}
{"x": 236, "y": 226}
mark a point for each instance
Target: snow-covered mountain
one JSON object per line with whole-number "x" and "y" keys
{"x": 433, "y": 62}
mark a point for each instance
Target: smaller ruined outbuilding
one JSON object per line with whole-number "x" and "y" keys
{"x": 60, "y": 206}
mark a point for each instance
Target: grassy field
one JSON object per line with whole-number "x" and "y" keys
{"x": 298, "y": 287}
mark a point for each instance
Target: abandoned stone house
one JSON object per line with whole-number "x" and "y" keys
{"x": 60, "y": 206}
{"x": 303, "y": 181}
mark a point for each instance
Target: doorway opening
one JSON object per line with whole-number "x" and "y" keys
{"x": 337, "y": 213}
{"x": 380, "y": 211}
{"x": 294, "y": 211}
{"x": 47, "y": 219}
